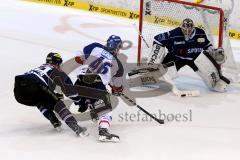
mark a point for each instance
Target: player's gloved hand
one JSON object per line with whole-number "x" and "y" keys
{"x": 83, "y": 104}
{"x": 76, "y": 99}
{"x": 117, "y": 91}
{"x": 78, "y": 60}
{"x": 76, "y": 102}
{"x": 60, "y": 96}
{"x": 82, "y": 108}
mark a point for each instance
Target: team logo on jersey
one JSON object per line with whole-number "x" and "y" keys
{"x": 201, "y": 40}
{"x": 148, "y": 8}
{"x": 194, "y": 50}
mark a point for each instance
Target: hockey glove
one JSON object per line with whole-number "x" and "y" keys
{"x": 76, "y": 99}
{"x": 84, "y": 104}
{"x": 78, "y": 60}
{"x": 117, "y": 91}
{"x": 218, "y": 55}
{"x": 59, "y": 96}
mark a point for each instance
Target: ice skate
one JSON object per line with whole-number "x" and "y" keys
{"x": 105, "y": 136}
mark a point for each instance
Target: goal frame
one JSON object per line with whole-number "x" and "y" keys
{"x": 221, "y": 22}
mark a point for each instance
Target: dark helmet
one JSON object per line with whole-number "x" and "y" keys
{"x": 54, "y": 58}
{"x": 114, "y": 43}
{"x": 187, "y": 27}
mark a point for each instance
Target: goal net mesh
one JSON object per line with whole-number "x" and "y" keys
{"x": 158, "y": 16}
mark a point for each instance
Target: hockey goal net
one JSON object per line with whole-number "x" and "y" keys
{"x": 158, "y": 16}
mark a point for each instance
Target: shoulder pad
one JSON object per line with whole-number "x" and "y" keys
{"x": 199, "y": 30}
{"x": 89, "y": 48}
{"x": 176, "y": 31}
{"x": 162, "y": 37}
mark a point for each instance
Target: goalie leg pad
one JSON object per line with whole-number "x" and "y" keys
{"x": 210, "y": 74}
{"x": 156, "y": 55}
{"x": 172, "y": 72}
{"x": 221, "y": 86}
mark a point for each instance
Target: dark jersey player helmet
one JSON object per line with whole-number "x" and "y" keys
{"x": 54, "y": 58}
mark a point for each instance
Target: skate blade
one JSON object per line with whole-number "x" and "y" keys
{"x": 104, "y": 139}
{"x": 84, "y": 134}
{"x": 59, "y": 129}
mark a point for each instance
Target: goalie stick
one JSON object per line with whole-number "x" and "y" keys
{"x": 180, "y": 93}
{"x": 177, "y": 92}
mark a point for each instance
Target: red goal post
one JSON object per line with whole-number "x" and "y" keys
{"x": 158, "y": 16}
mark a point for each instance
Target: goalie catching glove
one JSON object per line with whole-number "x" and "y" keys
{"x": 218, "y": 55}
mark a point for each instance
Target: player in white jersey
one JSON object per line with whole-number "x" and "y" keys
{"x": 100, "y": 67}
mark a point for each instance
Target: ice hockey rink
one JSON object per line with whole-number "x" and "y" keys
{"x": 209, "y": 128}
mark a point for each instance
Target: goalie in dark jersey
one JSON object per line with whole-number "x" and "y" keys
{"x": 189, "y": 45}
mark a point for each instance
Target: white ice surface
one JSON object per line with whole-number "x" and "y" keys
{"x": 28, "y": 31}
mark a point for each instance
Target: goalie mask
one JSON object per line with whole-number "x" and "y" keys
{"x": 187, "y": 27}
{"x": 114, "y": 44}
{"x": 54, "y": 58}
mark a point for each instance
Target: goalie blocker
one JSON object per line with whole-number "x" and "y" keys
{"x": 147, "y": 75}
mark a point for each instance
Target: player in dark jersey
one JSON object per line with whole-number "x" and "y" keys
{"x": 189, "y": 45}
{"x": 37, "y": 88}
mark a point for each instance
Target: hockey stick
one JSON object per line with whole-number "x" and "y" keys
{"x": 179, "y": 93}
{"x": 140, "y": 34}
{"x": 160, "y": 121}
{"x": 193, "y": 93}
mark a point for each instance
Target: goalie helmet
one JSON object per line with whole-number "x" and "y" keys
{"x": 187, "y": 27}
{"x": 54, "y": 58}
{"x": 114, "y": 44}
